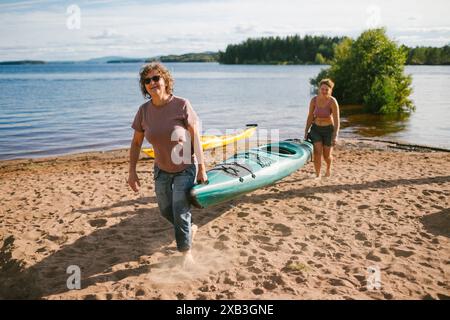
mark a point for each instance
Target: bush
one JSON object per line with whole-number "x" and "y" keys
{"x": 381, "y": 96}
{"x": 370, "y": 71}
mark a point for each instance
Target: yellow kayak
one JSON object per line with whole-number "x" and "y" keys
{"x": 211, "y": 142}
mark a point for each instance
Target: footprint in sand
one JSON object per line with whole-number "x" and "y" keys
{"x": 251, "y": 261}
{"x": 214, "y": 231}
{"x": 97, "y": 223}
{"x": 219, "y": 246}
{"x": 267, "y": 214}
{"x": 269, "y": 285}
{"x": 243, "y": 214}
{"x": 269, "y": 248}
{"x": 403, "y": 253}
{"x": 258, "y": 291}
{"x": 140, "y": 293}
{"x": 304, "y": 208}
{"x": 285, "y": 230}
{"x": 223, "y": 238}
{"x": 373, "y": 257}
{"x": 361, "y": 236}
{"x": 263, "y": 239}
{"x": 254, "y": 270}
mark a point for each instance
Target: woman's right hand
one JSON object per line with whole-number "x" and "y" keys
{"x": 133, "y": 181}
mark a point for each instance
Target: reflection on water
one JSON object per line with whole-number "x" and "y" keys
{"x": 355, "y": 121}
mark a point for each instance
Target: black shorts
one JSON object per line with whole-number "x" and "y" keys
{"x": 322, "y": 134}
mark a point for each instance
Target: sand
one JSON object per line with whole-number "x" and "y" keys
{"x": 384, "y": 209}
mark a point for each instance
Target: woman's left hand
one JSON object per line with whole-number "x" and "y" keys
{"x": 201, "y": 175}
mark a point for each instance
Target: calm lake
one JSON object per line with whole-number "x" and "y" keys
{"x": 57, "y": 109}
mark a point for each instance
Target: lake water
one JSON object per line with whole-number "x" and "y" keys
{"x": 57, "y": 109}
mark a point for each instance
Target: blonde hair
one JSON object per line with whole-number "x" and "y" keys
{"x": 328, "y": 82}
{"x": 163, "y": 72}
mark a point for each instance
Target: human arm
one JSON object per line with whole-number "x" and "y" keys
{"x": 310, "y": 118}
{"x": 135, "y": 149}
{"x": 336, "y": 120}
{"x": 198, "y": 151}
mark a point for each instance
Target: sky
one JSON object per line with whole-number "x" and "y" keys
{"x": 79, "y": 29}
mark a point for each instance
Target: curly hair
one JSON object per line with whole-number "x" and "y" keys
{"x": 163, "y": 72}
{"x": 328, "y": 82}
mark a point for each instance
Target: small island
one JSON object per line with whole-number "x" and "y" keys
{"x": 21, "y": 62}
{"x": 188, "y": 57}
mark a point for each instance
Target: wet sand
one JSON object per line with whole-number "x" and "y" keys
{"x": 384, "y": 208}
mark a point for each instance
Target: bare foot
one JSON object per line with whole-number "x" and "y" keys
{"x": 328, "y": 174}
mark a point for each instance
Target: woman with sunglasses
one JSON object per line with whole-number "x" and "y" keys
{"x": 323, "y": 120}
{"x": 171, "y": 125}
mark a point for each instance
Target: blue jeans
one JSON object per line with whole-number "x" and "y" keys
{"x": 172, "y": 194}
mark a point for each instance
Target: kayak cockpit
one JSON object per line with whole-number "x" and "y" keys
{"x": 281, "y": 150}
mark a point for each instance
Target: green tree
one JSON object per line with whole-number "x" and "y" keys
{"x": 370, "y": 71}
{"x": 320, "y": 59}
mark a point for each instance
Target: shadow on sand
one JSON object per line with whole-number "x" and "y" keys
{"x": 95, "y": 254}
{"x": 135, "y": 236}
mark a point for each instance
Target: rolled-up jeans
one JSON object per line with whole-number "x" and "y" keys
{"x": 172, "y": 194}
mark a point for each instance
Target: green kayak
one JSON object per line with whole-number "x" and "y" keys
{"x": 250, "y": 170}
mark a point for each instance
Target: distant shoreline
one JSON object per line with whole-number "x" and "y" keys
{"x": 201, "y": 57}
{"x": 175, "y": 60}
{"x": 21, "y": 62}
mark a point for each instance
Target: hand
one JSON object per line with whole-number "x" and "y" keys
{"x": 133, "y": 181}
{"x": 306, "y": 136}
{"x": 334, "y": 141}
{"x": 201, "y": 175}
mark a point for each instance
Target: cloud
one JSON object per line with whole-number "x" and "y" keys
{"x": 244, "y": 28}
{"x": 434, "y": 29}
{"x": 109, "y": 34}
{"x": 150, "y": 28}
{"x": 24, "y": 4}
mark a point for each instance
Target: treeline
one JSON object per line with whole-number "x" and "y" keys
{"x": 428, "y": 56}
{"x": 278, "y": 50}
{"x": 191, "y": 57}
{"x": 313, "y": 50}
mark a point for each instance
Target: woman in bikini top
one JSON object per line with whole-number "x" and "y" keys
{"x": 322, "y": 125}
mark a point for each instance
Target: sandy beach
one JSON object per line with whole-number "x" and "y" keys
{"x": 384, "y": 208}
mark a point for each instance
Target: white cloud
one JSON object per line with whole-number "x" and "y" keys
{"x": 109, "y": 34}
{"x": 147, "y": 28}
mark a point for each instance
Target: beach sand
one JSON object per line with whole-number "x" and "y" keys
{"x": 384, "y": 210}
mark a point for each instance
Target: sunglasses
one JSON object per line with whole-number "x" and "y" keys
{"x": 154, "y": 78}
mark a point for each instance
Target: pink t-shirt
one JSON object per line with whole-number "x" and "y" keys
{"x": 166, "y": 128}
